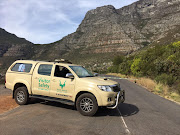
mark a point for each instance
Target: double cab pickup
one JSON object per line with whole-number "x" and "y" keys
{"x": 62, "y": 82}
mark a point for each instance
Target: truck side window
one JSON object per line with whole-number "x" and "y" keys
{"x": 45, "y": 69}
{"x": 22, "y": 67}
{"x": 61, "y": 71}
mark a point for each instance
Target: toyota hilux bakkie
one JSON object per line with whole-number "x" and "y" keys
{"x": 62, "y": 82}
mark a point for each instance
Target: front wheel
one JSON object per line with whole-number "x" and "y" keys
{"x": 21, "y": 95}
{"x": 86, "y": 104}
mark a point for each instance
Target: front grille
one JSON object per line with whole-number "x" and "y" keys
{"x": 116, "y": 88}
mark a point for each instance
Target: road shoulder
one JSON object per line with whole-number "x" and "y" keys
{"x": 6, "y": 101}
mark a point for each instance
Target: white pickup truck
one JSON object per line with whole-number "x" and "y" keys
{"x": 62, "y": 82}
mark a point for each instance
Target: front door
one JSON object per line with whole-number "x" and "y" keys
{"x": 62, "y": 87}
{"x": 42, "y": 79}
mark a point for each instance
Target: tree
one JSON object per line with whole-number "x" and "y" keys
{"x": 118, "y": 60}
{"x": 135, "y": 67}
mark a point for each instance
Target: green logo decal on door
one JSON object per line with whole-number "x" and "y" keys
{"x": 62, "y": 85}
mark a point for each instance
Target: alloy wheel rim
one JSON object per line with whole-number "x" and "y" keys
{"x": 86, "y": 104}
{"x": 20, "y": 96}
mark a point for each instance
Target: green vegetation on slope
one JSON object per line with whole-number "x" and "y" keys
{"x": 160, "y": 63}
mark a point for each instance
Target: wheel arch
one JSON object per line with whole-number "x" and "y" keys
{"x": 82, "y": 92}
{"x": 17, "y": 85}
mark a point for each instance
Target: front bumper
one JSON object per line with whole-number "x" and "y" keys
{"x": 120, "y": 98}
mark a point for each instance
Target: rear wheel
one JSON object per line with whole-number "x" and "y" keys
{"x": 21, "y": 96}
{"x": 86, "y": 104}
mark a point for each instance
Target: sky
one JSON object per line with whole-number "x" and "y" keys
{"x": 47, "y": 21}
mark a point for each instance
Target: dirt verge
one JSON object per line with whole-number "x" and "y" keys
{"x": 7, "y": 103}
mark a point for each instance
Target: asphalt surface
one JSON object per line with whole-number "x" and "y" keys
{"x": 143, "y": 113}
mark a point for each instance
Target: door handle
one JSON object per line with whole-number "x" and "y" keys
{"x": 54, "y": 80}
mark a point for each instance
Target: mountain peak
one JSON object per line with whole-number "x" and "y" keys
{"x": 104, "y": 10}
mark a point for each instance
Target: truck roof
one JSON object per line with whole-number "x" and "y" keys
{"x": 35, "y": 62}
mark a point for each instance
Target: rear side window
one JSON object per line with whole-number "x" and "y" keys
{"x": 45, "y": 69}
{"x": 22, "y": 67}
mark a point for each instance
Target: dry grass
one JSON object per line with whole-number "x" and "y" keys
{"x": 147, "y": 83}
{"x": 175, "y": 96}
{"x": 123, "y": 76}
{"x": 151, "y": 85}
{"x": 117, "y": 74}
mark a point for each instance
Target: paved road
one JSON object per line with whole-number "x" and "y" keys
{"x": 143, "y": 113}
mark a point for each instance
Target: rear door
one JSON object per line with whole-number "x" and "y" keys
{"x": 42, "y": 79}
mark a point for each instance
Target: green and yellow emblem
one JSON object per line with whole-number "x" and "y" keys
{"x": 62, "y": 85}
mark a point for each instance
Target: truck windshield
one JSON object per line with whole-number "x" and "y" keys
{"x": 81, "y": 71}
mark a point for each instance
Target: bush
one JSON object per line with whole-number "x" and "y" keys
{"x": 125, "y": 67}
{"x": 135, "y": 67}
{"x": 166, "y": 79}
{"x": 118, "y": 60}
{"x": 113, "y": 69}
{"x": 176, "y": 44}
{"x": 178, "y": 87}
{"x": 160, "y": 62}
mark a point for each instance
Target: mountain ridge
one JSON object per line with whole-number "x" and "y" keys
{"x": 106, "y": 29}
{"x": 12, "y": 48}
{"x": 105, "y": 32}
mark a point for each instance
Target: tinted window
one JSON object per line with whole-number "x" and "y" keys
{"x": 61, "y": 71}
{"x": 22, "y": 67}
{"x": 45, "y": 69}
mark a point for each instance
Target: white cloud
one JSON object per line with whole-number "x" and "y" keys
{"x": 45, "y": 21}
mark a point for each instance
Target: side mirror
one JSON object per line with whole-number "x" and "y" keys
{"x": 69, "y": 75}
{"x": 96, "y": 74}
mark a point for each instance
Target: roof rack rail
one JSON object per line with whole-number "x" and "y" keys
{"x": 62, "y": 61}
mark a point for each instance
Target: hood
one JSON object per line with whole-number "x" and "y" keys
{"x": 99, "y": 80}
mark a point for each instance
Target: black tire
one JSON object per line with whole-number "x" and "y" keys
{"x": 21, "y": 95}
{"x": 86, "y": 104}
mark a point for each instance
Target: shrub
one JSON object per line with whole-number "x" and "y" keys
{"x": 113, "y": 69}
{"x": 135, "y": 67}
{"x": 125, "y": 67}
{"x": 118, "y": 60}
{"x": 176, "y": 44}
{"x": 160, "y": 62}
{"x": 166, "y": 79}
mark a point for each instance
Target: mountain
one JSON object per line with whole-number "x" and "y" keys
{"x": 13, "y": 47}
{"x": 105, "y": 32}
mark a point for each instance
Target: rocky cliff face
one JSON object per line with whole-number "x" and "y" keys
{"x": 154, "y": 19}
{"x": 109, "y": 30}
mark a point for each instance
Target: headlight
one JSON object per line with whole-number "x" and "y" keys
{"x": 105, "y": 88}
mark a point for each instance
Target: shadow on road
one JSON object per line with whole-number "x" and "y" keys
{"x": 51, "y": 103}
{"x": 57, "y": 104}
{"x": 103, "y": 111}
{"x": 125, "y": 108}
{"x": 128, "y": 109}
